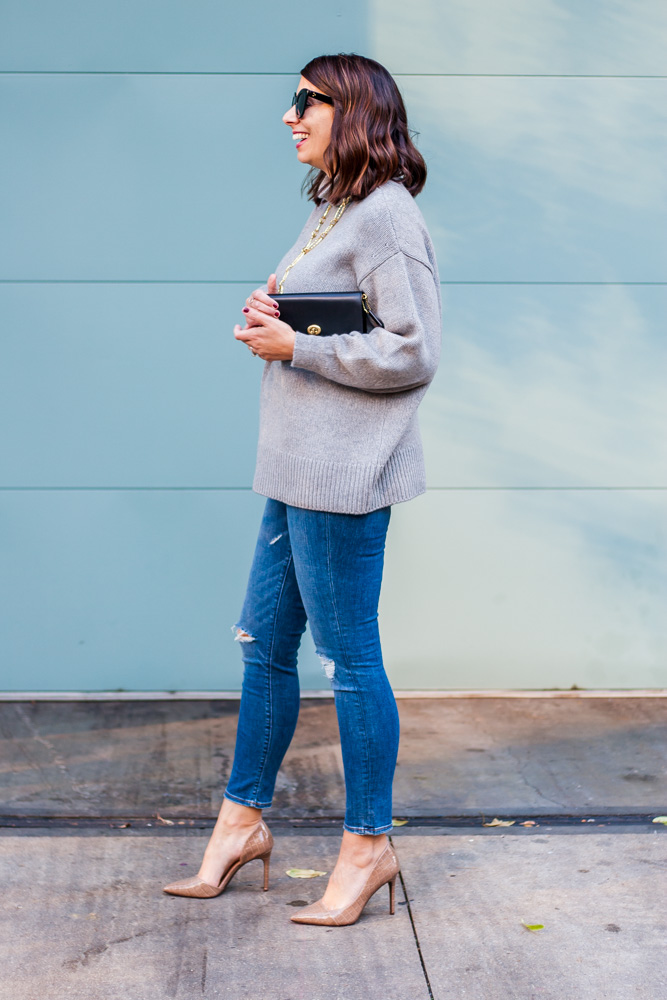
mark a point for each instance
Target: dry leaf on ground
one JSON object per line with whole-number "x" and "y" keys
{"x": 398, "y": 822}
{"x": 303, "y": 873}
{"x": 533, "y": 927}
{"x": 500, "y": 822}
{"x": 660, "y": 819}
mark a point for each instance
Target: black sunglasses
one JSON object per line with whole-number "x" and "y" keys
{"x": 300, "y": 100}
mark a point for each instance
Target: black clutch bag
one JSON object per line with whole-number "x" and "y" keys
{"x": 325, "y": 313}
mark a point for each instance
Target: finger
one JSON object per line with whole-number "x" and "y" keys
{"x": 243, "y": 333}
{"x": 272, "y": 284}
{"x": 260, "y": 297}
{"x": 260, "y": 316}
{"x": 266, "y": 306}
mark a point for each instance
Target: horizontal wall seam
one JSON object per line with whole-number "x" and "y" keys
{"x": 176, "y": 72}
{"x": 248, "y": 489}
{"x": 254, "y": 281}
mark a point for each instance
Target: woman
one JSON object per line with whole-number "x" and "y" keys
{"x": 338, "y": 445}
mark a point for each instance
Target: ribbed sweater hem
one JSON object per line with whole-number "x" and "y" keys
{"x": 340, "y": 487}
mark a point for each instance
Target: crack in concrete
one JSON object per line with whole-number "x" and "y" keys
{"x": 183, "y": 958}
{"x": 84, "y": 957}
{"x": 521, "y": 765}
{"x": 203, "y": 969}
{"x": 57, "y": 759}
{"x": 98, "y": 949}
{"x": 32, "y": 762}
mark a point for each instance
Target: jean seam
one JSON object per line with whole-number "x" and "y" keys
{"x": 267, "y": 742}
{"x": 253, "y": 803}
{"x": 375, "y": 832}
{"x": 357, "y": 694}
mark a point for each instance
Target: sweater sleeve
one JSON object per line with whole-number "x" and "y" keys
{"x": 403, "y": 292}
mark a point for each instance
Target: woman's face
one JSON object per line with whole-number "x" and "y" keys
{"x": 311, "y": 132}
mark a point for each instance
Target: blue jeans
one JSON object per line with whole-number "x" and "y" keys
{"x": 326, "y": 568}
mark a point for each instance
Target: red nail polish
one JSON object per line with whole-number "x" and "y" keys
{"x": 246, "y": 310}
{"x": 277, "y": 314}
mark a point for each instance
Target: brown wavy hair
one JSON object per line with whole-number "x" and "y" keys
{"x": 370, "y": 140}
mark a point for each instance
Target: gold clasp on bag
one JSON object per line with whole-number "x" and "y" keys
{"x": 314, "y": 329}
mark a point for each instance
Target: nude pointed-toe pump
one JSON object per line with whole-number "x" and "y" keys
{"x": 384, "y": 871}
{"x": 258, "y": 846}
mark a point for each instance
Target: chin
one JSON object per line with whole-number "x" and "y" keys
{"x": 306, "y": 157}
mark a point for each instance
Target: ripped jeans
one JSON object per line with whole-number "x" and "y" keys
{"x": 326, "y": 568}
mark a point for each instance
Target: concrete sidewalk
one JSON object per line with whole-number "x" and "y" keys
{"x": 85, "y": 916}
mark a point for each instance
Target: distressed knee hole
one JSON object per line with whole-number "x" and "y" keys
{"x": 242, "y": 635}
{"x": 328, "y": 666}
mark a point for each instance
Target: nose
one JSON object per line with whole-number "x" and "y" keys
{"x": 290, "y": 117}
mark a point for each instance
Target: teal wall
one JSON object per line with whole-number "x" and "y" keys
{"x": 148, "y": 184}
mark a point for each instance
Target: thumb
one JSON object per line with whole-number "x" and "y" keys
{"x": 272, "y": 285}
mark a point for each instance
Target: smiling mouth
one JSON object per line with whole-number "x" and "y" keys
{"x": 299, "y": 138}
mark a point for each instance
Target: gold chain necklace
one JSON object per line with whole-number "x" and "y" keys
{"x": 315, "y": 238}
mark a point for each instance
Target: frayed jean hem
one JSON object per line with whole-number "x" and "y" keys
{"x": 252, "y": 803}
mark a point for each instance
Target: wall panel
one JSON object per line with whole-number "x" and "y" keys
{"x": 154, "y": 177}
{"x": 549, "y": 386}
{"x": 145, "y": 385}
{"x": 533, "y": 37}
{"x": 132, "y": 590}
{"x": 549, "y": 588}
{"x": 176, "y": 36}
{"x": 127, "y": 589}
{"x": 126, "y": 385}
{"x": 147, "y": 177}
{"x": 544, "y": 179}
{"x": 462, "y": 36}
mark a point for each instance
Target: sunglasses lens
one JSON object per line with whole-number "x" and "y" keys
{"x": 299, "y": 102}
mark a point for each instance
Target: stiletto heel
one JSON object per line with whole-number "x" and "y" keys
{"x": 266, "y": 858}
{"x": 258, "y": 846}
{"x": 385, "y": 869}
{"x": 392, "y": 896}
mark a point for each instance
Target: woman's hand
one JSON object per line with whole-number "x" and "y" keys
{"x": 264, "y": 333}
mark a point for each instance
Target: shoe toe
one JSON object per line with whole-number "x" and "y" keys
{"x": 191, "y": 887}
{"x": 313, "y": 914}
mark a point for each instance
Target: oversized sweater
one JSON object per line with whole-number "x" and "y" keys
{"x": 338, "y": 423}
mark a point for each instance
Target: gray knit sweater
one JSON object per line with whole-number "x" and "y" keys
{"x": 338, "y": 423}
